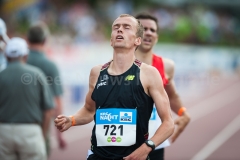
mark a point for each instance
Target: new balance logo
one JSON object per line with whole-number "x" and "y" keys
{"x": 129, "y": 78}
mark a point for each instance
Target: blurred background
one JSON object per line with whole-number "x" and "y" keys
{"x": 201, "y": 36}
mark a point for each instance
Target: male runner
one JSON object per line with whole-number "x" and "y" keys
{"x": 120, "y": 100}
{"x": 166, "y": 69}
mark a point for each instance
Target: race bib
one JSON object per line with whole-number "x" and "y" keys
{"x": 116, "y": 127}
{"x": 154, "y": 114}
{"x": 154, "y": 123}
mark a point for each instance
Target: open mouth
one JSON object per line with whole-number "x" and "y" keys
{"x": 119, "y": 37}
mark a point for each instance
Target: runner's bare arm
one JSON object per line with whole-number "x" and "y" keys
{"x": 157, "y": 92}
{"x": 175, "y": 101}
{"x": 86, "y": 113}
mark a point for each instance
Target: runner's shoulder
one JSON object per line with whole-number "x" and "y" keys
{"x": 149, "y": 70}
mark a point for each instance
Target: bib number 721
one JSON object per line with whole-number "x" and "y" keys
{"x": 113, "y": 129}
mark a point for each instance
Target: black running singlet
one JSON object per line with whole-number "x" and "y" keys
{"x": 119, "y": 93}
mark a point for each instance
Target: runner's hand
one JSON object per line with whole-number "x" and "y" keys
{"x": 63, "y": 123}
{"x": 140, "y": 153}
{"x": 181, "y": 123}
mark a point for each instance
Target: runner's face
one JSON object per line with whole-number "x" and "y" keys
{"x": 124, "y": 33}
{"x": 150, "y": 36}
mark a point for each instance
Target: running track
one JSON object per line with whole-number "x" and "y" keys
{"x": 213, "y": 134}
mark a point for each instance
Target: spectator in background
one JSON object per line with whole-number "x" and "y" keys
{"x": 25, "y": 106}
{"x": 37, "y": 36}
{"x": 166, "y": 69}
{"x": 3, "y": 40}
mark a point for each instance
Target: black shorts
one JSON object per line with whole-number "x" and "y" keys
{"x": 96, "y": 157}
{"x": 157, "y": 154}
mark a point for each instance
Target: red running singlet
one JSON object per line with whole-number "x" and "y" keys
{"x": 157, "y": 62}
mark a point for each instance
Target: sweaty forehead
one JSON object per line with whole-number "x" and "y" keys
{"x": 125, "y": 20}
